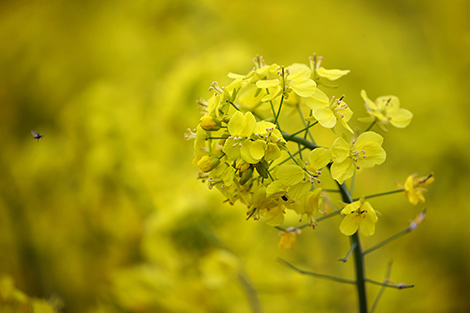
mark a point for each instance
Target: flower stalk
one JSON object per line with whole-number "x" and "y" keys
{"x": 358, "y": 257}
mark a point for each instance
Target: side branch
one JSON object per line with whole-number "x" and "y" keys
{"x": 396, "y": 286}
{"x": 304, "y": 142}
{"x": 333, "y": 278}
{"x": 388, "y": 240}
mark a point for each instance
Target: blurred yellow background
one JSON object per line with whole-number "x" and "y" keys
{"x": 105, "y": 214}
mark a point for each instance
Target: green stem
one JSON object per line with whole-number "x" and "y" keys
{"x": 370, "y": 126}
{"x": 306, "y": 125}
{"x": 304, "y": 129}
{"x": 382, "y": 290}
{"x": 396, "y": 286}
{"x": 360, "y": 281}
{"x": 250, "y": 293}
{"x": 289, "y": 158}
{"x": 345, "y": 259}
{"x": 279, "y": 111}
{"x": 358, "y": 257}
{"x": 233, "y": 104}
{"x": 334, "y": 213}
{"x": 333, "y": 278}
{"x": 381, "y": 194}
{"x": 386, "y": 241}
{"x": 302, "y": 141}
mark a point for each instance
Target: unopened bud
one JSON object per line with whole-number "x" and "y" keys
{"x": 246, "y": 175}
{"x": 241, "y": 165}
{"x": 209, "y": 123}
{"x": 206, "y": 162}
{"x": 262, "y": 169}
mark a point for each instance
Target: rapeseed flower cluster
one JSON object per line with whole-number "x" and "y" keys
{"x": 241, "y": 150}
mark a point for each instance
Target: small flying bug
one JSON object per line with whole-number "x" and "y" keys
{"x": 36, "y": 135}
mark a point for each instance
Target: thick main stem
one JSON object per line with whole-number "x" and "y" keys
{"x": 358, "y": 257}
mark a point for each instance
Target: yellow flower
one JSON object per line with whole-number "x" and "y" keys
{"x": 291, "y": 184}
{"x": 288, "y": 238}
{"x": 315, "y": 64}
{"x": 415, "y": 187}
{"x": 327, "y": 112}
{"x": 386, "y": 110}
{"x": 296, "y": 77}
{"x": 309, "y": 205}
{"x": 251, "y": 140}
{"x": 358, "y": 215}
{"x": 365, "y": 152}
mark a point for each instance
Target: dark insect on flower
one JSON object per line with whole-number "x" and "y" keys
{"x": 36, "y": 135}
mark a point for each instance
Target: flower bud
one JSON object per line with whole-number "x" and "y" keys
{"x": 246, "y": 175}
{"x": 262, "y": 169}
{"x": 209, "y": 123}
{"x": 226, "y": 118}
{"x": 241, "y": 165}
{"x": 206, "y": 162}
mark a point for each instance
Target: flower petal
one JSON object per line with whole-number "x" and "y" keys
{"x": 297, "y": 191}
{"x": 340, "y": 150}
{"x": 400, "y": 118}
{"x": 326, "y": 117}
{"x": 258, "y": 149}
{"x": 342, "y": 171}
{"x": 272, "y": 152}
{"x": 371, "y": 143}
{"x": 262, "y": 126}
{"x": 304, "y": 88}
{"x": 267, "y": 83}
{"x": 236, "y": 124}
{"x": 250, "y": 124}
{"x": 318, "y": 100}
{"x": 318, "y": 159}
{"x": 331, "y": 74}
{"x": 289, "y": 174}
{"x": 245, "y": 152}
{"x": 368, "y": 102}
{"x": 349, "y": 225}
{"x": 276, "y": 189}
{"x": 233, "y": 152}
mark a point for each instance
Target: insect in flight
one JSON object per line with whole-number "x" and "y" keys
{"x": 36, "y": 135}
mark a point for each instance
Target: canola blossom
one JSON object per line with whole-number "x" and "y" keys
{"x": 386, "y": 110}
{"x": 358, "y": 215}
{"x": 415, "y": 187}
{"x": 243, "y": 149}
